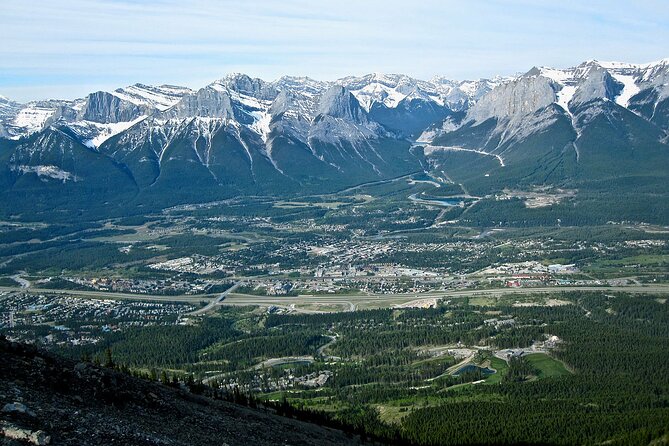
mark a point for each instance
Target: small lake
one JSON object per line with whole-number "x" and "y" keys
{"x": 473, "y": 368}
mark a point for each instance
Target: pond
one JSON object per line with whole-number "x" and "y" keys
{"x": 473, "y": 368}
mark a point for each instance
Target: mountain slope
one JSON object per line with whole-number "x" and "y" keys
{"x": 81, "y": 404}
{"x": 567, "y": 128}
{"x": 149, "y": 147}
{"x": 51, "y": 171}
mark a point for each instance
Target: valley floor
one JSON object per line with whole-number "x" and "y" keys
{"x": 404, "y": 318}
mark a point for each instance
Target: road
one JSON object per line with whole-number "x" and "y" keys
{"x": 460, "y": 149}
{"x": 347, "y": 302}
{"x": 214, "y": 303}
{"x": 375, "y": 183}
{"x": 24, "y": 283}
{"x": 268, "y": 363}
{"x": 193, "y": 299}
{"x": 273, "y": 362}
{"x": 321, "y": 349}
{"x": 355, "y": 301}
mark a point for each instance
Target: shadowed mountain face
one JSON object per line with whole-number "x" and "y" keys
{"x": 152, "y": 147}
{"x": 50, "y": 400}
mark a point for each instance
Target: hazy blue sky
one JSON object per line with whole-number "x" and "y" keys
{"x": 67, "y": 48}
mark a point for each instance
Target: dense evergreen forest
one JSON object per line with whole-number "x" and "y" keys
{"x": 391, "y": 376}
{"x": 619, "y": 392}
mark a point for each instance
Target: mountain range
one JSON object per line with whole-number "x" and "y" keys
{"x": 598, "y": 127}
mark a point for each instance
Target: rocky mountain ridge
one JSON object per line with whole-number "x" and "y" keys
{"x": 125, "y": 105}
{"x": 243, "y": 136}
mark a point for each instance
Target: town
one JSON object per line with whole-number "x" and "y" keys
{"x": 66, "y": 320}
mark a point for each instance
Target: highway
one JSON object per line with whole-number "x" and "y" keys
{"x": 354, "y": 301}
{"x": 348, "y": 302}
{"x": 214, "y": 303}
{"x": 193, "y": 299}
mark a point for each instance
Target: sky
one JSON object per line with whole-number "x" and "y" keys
{"x": 68, "y": 48}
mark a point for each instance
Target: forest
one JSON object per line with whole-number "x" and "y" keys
{"x": 394, "y": 373}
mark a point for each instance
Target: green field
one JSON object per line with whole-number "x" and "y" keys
{"x": 547, "y": 366}
{"x": 500, "y": 367}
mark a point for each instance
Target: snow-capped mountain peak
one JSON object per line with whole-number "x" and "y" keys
{"x": 291, "y": 103}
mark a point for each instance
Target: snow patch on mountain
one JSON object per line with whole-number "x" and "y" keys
{"x": 611, "y": 65}
{"x": 391, "y": 89}
{"x": 32, "y": 118}
{"x": 559, "y": 76}
{"x": 268, "y": 153}
{"x": 564, "y": 96}
{"x": 261, "y": 124}
{"x": 386, "y": 89}
{"x": 159, "y": 97}
{"x": 376, "y": 92}
{"x": 630, "y": 88}
{"x": 104, "y": 131}
{"x": 461, "y": 95}
{"x": 47, "y": 172}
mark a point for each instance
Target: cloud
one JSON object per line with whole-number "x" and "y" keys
{"x": 109, "y": 43}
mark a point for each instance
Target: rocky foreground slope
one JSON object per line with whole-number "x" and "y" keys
{"x": 46, "y": 399}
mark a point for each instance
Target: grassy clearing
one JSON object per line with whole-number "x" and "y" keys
{"x": 643, "y": 259}
{"x": 501, "y": 367}
{"x": 326, "y": 308}
{"x": 393, "y": 414}
{"x": 394, "y": 411}
{"x": 482, "y": 301}
{"x": 6, "y": 281}
{"x": 547, "y": 366}
{"x": 634, "y": 265}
